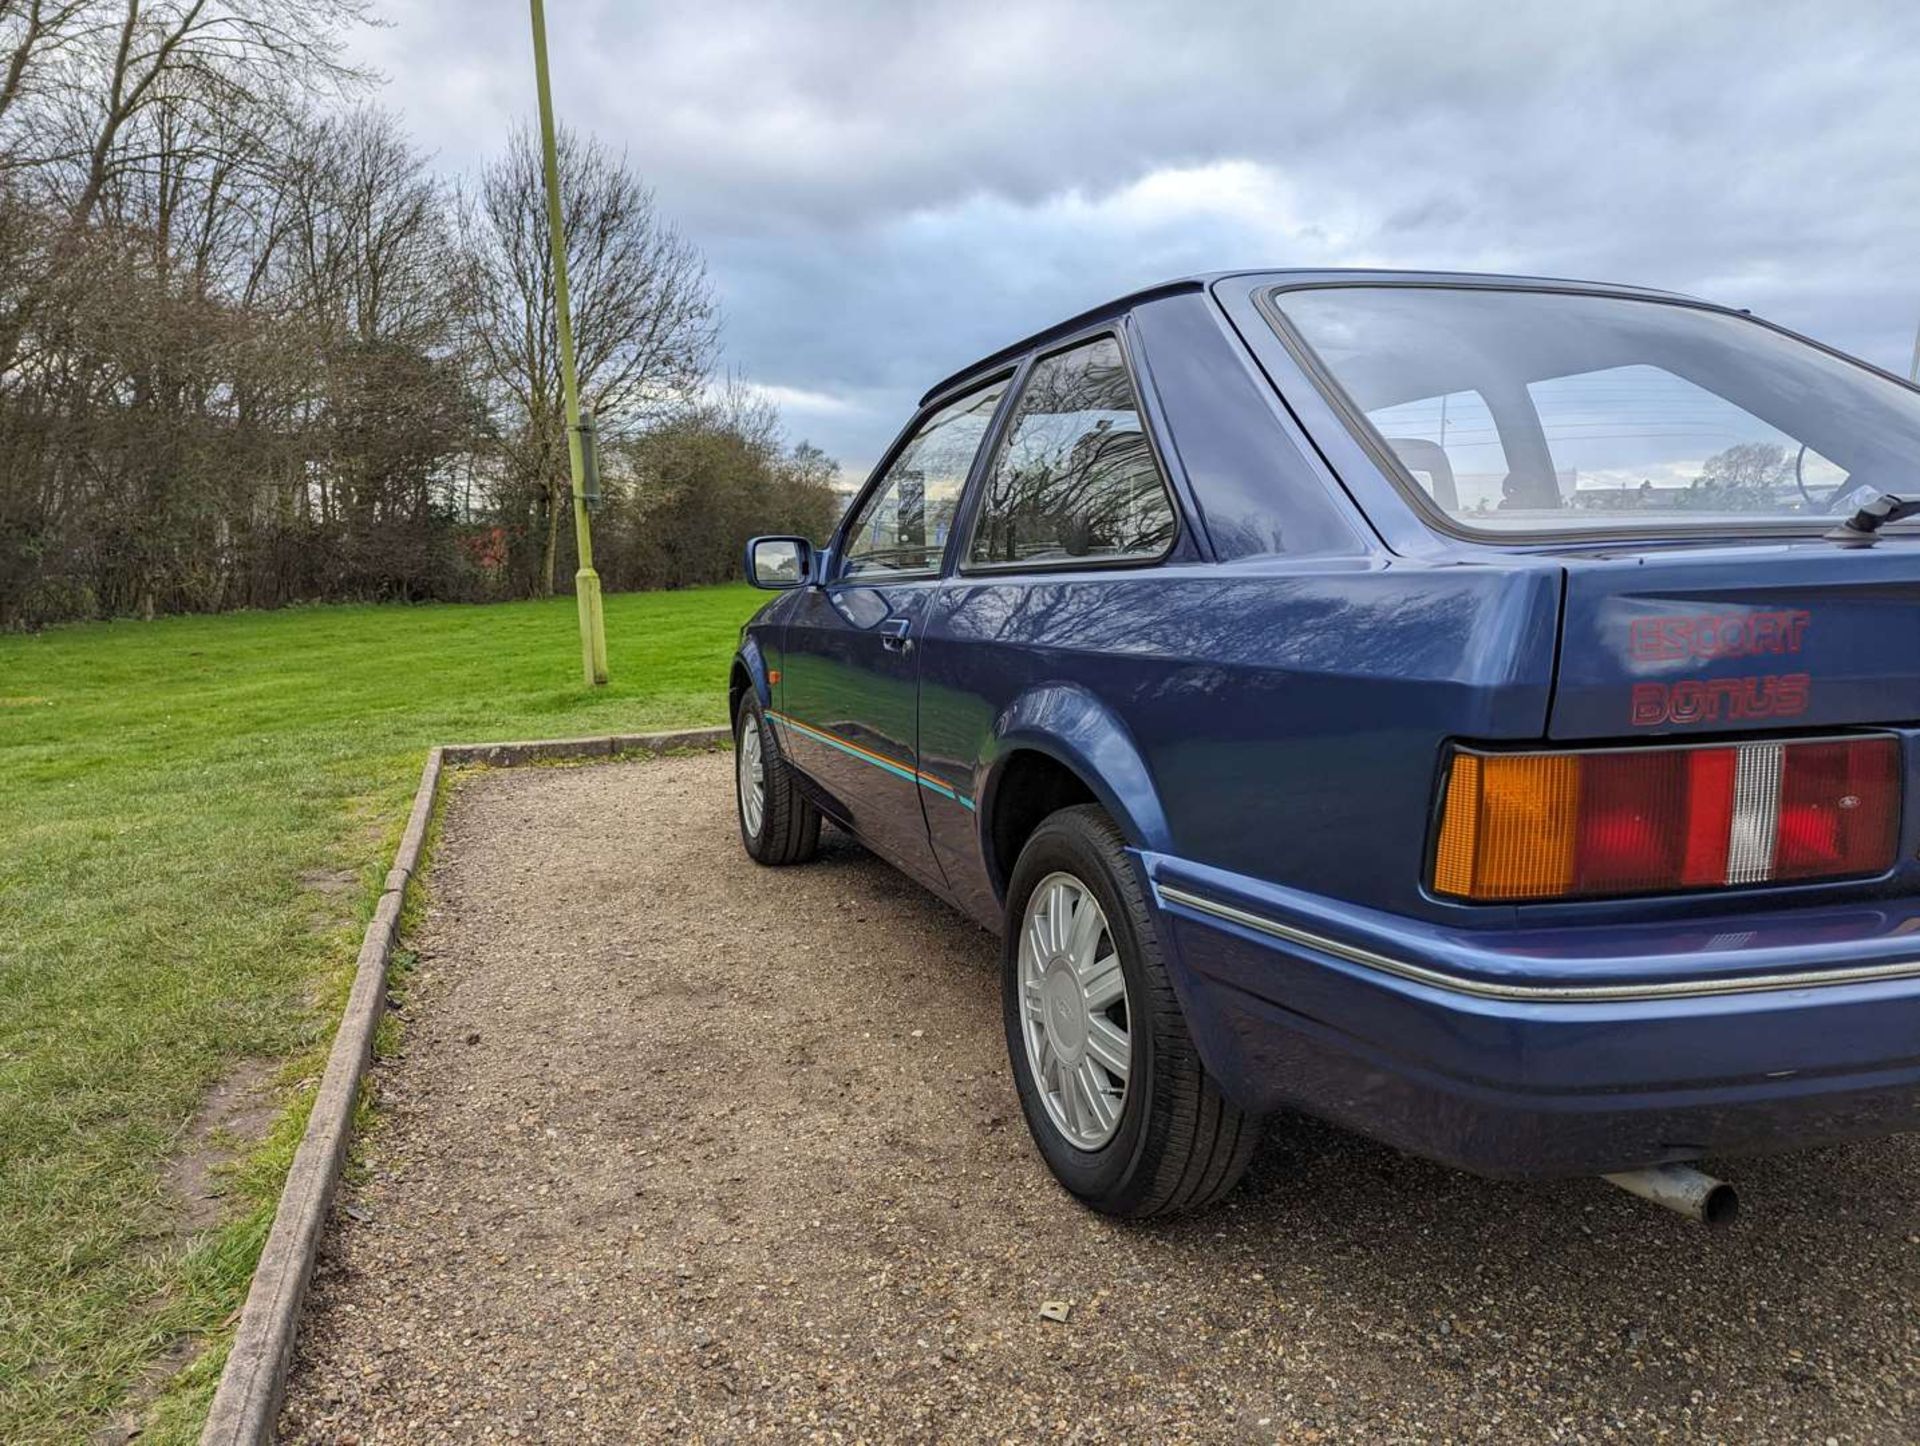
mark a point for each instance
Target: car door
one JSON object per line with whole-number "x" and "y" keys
{"x": 848, "y": 706}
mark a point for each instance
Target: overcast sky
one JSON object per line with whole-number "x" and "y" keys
{"x": 886, "y": 190}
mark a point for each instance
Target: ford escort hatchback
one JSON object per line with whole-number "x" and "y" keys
{"x": 1477, "y": 711}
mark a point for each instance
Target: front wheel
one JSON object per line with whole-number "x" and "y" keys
{"x": 777, "y": 823}
{"x": 1113, "y": 1089}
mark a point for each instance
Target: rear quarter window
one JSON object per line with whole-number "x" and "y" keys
{"x": 1076, "y": 479}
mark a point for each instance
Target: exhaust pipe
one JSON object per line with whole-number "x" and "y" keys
{"x": 1684, "y": 1189}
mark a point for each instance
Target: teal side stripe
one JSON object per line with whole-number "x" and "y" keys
{"x": 898, "y": 770}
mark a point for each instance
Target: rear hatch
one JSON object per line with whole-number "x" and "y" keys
{"x": 1716, "y": 640}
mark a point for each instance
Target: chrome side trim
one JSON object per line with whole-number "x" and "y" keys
{"x": 1541, "y": 993}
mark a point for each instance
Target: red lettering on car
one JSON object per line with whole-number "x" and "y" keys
{"x": 1649, "y": 704}
{"x": 1718, "y": 635}
{"x": 1715, "y": 700}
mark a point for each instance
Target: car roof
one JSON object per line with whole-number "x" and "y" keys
{"x": 1201, "y": 281}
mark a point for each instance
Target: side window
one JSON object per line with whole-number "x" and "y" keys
{"x": 903, "y": 526}
{"x": 1076, "y": 477}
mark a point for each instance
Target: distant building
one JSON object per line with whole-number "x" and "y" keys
{"x": 1644, "y": 496}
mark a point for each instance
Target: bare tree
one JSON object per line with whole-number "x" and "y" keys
{"x": 123, "y": 95}
{"x": 236, "y": 58}
{"x": 689, "y": 492}
{"x": 34, "y": 31}
{"x": 645, "y": 325}
{"x": 368, "y": 234}
{"x": 364, "y": 256}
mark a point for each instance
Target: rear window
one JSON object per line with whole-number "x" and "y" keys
{"x": 1517, "y": 412}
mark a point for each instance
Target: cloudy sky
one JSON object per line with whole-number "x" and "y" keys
{"x": 886, "y": 190}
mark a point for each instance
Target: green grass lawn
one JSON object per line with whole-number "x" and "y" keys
{"x": 195, "y": 815}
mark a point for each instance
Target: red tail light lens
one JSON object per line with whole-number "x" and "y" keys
{"x": 1568, "y": 825}
{"x": 1839, "y": 810}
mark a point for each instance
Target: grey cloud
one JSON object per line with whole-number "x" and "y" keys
{"x": 887, "y": 189}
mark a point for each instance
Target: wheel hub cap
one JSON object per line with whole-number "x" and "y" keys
{"x": 1066, "y": 1011}
{"x": 1074, "y": 1011}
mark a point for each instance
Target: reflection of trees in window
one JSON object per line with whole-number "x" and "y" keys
{"x": 912, "y": 523}
{"x": 1077, "y": 477}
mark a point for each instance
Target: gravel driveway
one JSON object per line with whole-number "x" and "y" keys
{"x": 677, "y": 1148}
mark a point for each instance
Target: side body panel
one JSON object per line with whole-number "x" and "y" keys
{"x": 1281, "y": 720}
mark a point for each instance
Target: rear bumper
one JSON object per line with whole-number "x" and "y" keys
{"x": 1552, "y": 1053}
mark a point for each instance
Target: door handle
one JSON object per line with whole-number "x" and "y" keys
{"x": 894, "y": 635}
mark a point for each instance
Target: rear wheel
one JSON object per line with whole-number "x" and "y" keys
{"x": 1113, "y": 1089}
{"x": 777, "y": 824}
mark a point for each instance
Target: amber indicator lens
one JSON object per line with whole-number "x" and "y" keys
{"x": 1649, "y": 820}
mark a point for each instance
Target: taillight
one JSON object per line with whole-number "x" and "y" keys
{"x": 1645, "y": 820}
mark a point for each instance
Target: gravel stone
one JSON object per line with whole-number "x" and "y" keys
{"x": 676, "y": 1148}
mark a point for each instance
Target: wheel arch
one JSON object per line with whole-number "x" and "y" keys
{"x": 749, "y": 670}
{"x": 1055, "y": 747}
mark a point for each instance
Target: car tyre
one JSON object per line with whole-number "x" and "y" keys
{"x": 1167, "y": 1140}
{"x": 778, "y": 825}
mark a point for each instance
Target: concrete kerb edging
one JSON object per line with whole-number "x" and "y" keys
{"x": 246, "y": 1403}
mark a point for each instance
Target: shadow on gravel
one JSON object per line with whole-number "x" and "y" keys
{"x": 1805, "y": 1311}
{"x": 1809, "y": 1305}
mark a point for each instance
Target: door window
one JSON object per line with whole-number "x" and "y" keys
{"x": 1076, "y": 478}
{"x": 904, "y": 523}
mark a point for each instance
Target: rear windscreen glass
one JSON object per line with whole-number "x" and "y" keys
{"x": 1542, "y": 411}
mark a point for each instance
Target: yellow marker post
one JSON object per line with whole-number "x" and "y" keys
{"x": 586, "y": 582}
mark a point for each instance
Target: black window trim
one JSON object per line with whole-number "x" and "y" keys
{"x": 964, "y": 567}
{"x": 923, "y": 414}
{"x": 1348, "y": 412}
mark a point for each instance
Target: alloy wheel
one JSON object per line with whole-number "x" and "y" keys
{"x": 750, "y": 763}
{"x": 1073, "y": 1011}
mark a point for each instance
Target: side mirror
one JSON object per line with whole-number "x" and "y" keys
{"x": 779, "y": 562}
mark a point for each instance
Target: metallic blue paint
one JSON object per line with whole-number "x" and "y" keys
{"x": 749, "y": 659}
{"x": 1860, "y": 647}
{"x": 843, "y": 671}
{"x": 1265, "y": 714}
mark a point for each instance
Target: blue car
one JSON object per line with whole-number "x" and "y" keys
{"x": 1473, "y": 710}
